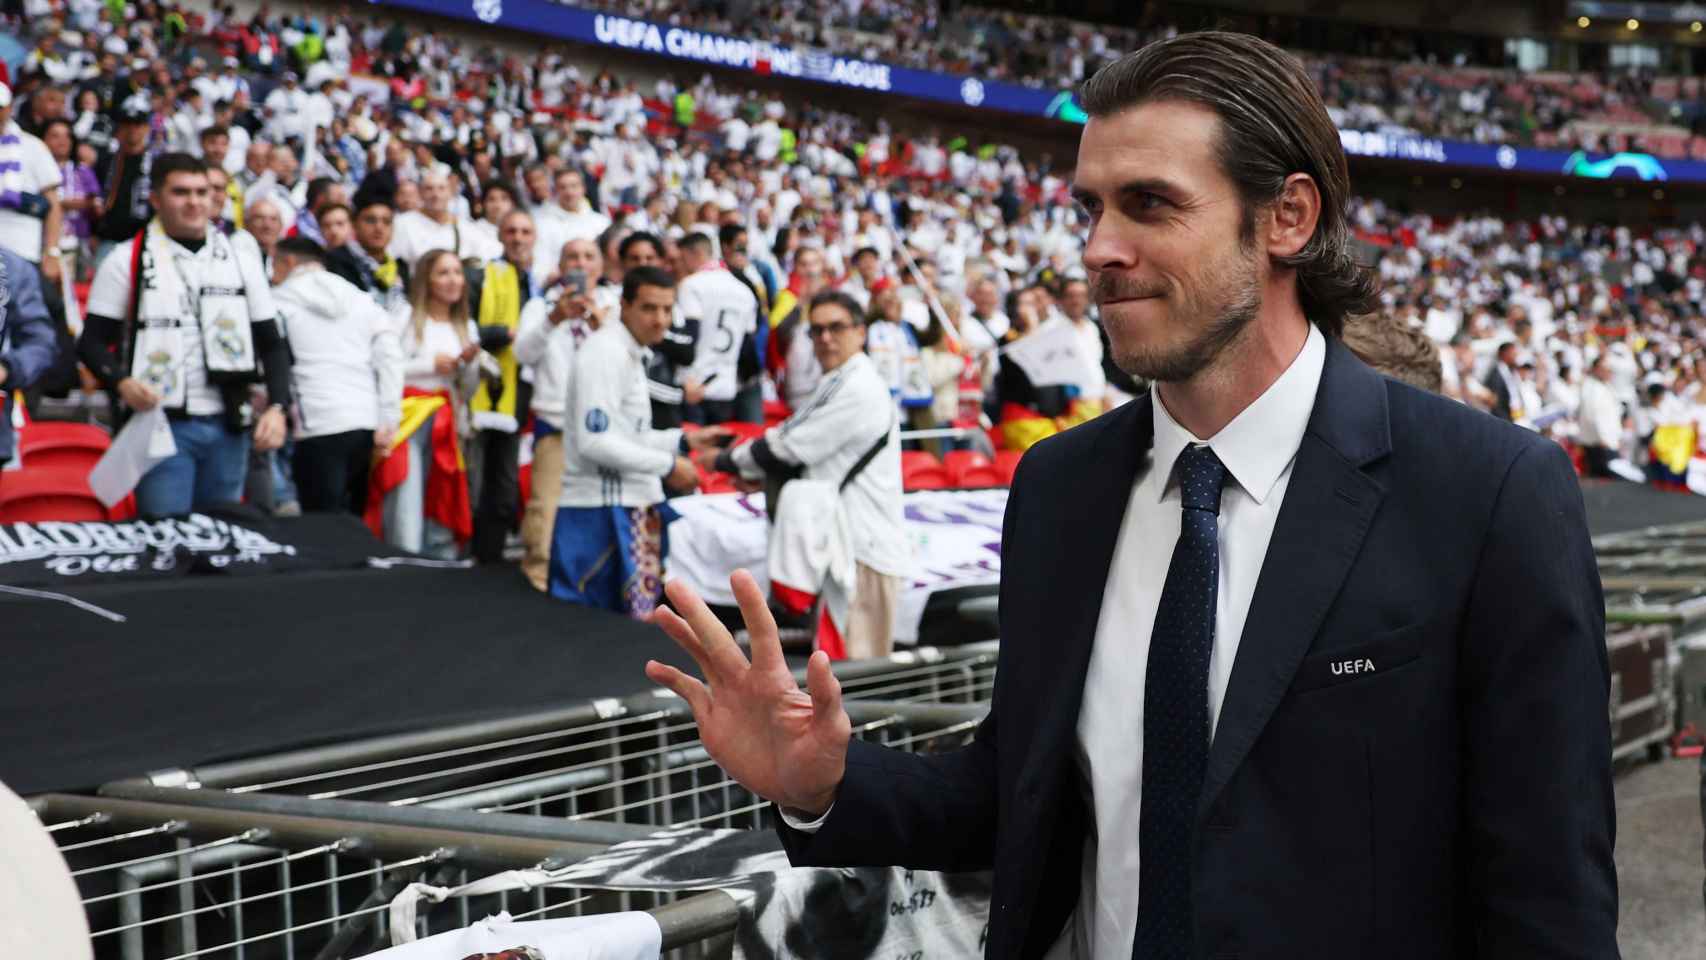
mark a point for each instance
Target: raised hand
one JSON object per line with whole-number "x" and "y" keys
{"x": 769, "y": 735}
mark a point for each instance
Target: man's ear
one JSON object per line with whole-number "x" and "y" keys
{"x": 1293, "y": 216}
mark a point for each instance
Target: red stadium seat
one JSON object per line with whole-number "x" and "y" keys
{"x": 1006, "y": 462}
{"x": 33, "y": 495}
{"x": 979, "y": 478}
{"x": 922, "y": 471}
{"x": 931, "y": 476}
{"x": 911, "y": 460}
{"x": 959, "y": 461}
{"x": 56, "y": 445}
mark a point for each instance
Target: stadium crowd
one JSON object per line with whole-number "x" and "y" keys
{"x": 475, "y": 220}
{"x": 1413, "y": 94}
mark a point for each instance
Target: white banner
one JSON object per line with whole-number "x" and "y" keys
{"x": 1051, "y": 356}
{"x": 956, "y": 539}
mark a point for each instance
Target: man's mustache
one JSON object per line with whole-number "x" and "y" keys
{"x": 1106, "y": 286}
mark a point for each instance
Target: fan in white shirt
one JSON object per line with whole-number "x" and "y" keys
{"x": 726, "y": 313}
{"x": 571, "y": 217}
{"x": 435, "y": 227}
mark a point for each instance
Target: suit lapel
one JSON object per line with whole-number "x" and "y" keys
{"x": 1329, "y": 503}
{"x": 1093, "y": 507}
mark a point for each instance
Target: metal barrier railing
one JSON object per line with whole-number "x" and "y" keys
{"x": 1677, "y": 538}
{"x": 636, "y": 760}
{"x": 963, "y": 674}
{"x": 174, "y": 881}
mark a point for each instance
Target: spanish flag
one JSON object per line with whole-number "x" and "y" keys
{"x": 446, "y": 500}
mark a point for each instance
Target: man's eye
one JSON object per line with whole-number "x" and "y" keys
{"x": 1149, "y": 201}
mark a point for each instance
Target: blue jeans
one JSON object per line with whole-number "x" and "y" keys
{"x": 208, "y": 469}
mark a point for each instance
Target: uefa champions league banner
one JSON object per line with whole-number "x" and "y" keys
{"x": 549, "y": 19}
{"x": 956, "y": 539}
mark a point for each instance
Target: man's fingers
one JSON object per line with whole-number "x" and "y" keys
{"x": 714, "y": 638}
{"x": 687, "y": 688}
{"x": 684, "y": 637}
{"x": 760, "y": 625}
{"x": 825, "y": 691}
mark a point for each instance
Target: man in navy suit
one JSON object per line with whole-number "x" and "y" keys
{"x": 1296, "y": 660}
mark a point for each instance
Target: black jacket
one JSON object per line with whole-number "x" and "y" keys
{"x": 353, "y": 267}
{"x": 1453, "y": 803}
{"x": 125, "y": 184}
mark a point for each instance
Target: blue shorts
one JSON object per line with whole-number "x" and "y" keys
{"x": 609, "y": 557}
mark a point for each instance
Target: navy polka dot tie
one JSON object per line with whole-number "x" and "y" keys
{"x": 1175, "y": 715}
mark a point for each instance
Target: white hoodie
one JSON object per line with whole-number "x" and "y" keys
{"x": 348, "y": 366}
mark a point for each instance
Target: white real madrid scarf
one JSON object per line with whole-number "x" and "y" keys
{"x": 190, "y": 302}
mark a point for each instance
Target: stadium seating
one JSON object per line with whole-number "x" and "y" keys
{"x": 921, "y": 471}
{"x": 959, "y": 461}
{"x": 1006, "y": 464}
{"x": 48, "y": 494}
{"x": 73, "y": 446}
{"x": 979, "y": 477}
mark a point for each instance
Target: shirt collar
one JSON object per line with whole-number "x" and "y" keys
{"x": 1261, "y": 441}
{"x": 634, "y": 346}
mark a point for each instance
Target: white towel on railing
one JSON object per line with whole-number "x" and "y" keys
{"x": 608, "y": 936}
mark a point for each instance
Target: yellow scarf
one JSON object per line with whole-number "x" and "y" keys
{"x": 235, "y": 193}
{"x": 386, "y": 273}
{"x": 500, "y": 304}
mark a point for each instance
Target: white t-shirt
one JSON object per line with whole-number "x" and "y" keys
{"x": 420, "y": 354}
{"x": 109, "y": 296}
{"x": 736, "y": 134}
{"x": 767, "y": 138}
{"x": 727, "y": 312}
{"x": 553, "y": 227}
{"x": 416, "y": 233}
{"x": 38, "y": 174}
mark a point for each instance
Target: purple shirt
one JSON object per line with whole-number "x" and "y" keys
{"x": 77, "y": 181}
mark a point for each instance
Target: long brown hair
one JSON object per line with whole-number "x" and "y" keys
{"x": 1272, "y": 125}
{"x": 420, "y": 292}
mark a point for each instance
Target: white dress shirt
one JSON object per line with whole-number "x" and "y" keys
{"x": 1258, "y": 448}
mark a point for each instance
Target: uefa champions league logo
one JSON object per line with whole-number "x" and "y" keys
{"x": 488, "y": 10}
{"x": 971, "y": 91}
{"x": 1506, "y": 157}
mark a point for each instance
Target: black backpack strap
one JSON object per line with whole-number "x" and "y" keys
{"x": 865, "y": 461}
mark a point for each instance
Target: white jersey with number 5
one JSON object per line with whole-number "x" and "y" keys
{"x": 727, "y": 312}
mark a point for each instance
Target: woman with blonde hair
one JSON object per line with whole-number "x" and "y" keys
{"x": 419, "y": 495}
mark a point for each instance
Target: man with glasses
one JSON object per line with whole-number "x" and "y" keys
{"x": 840, "y": 453}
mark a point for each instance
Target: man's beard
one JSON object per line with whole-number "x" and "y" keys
{"x": 1226, "y": 318}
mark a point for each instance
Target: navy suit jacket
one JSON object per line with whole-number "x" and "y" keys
{"x": 1452, "y": 802}
{"x": 28, "y": 346}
